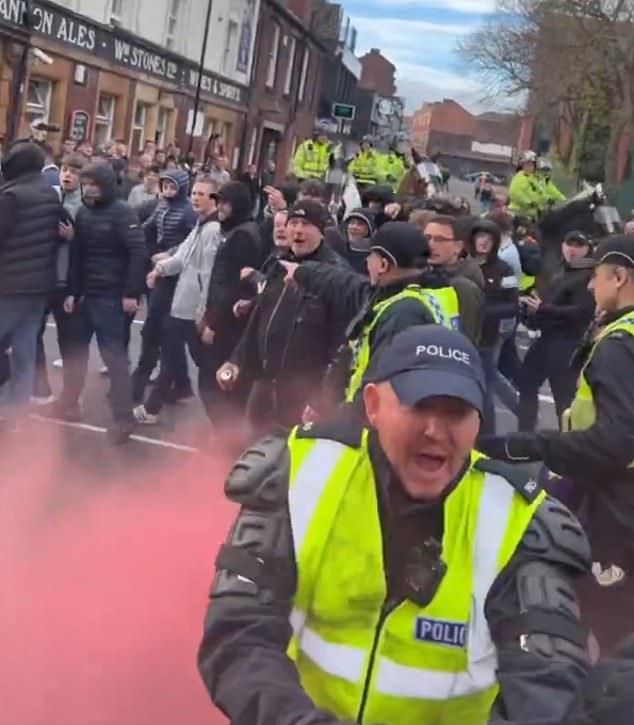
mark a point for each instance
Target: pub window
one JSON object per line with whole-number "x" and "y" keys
{"x": 38, "y": 102}
{"x": 231, "y": 48}
{"x": 273, "y": 54}
{"x": 304, "y": 75}
{"x": 116, "y": 10}
{"x": 138, "y": 126}
{"x": 162, "y": 127}
{"x": 174, "y": 8}
{"x": 288, "y": 81}
{"x": 104, "y": 119}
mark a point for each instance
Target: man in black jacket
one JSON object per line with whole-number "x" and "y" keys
{"x": 30, "y": 217}
{"x": 291, "y": 336}
{"x": 108, "y": 264}
{"x": 393, "y": 297}
{"x": 382, "y": 496}
{"x": 563, "y": 318}
{"x": 241, "y": 248}
{"x": 500, "y": 315}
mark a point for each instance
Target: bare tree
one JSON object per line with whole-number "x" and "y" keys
{"x": 574, "y": 60}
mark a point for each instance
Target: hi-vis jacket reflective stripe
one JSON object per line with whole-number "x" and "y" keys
{"x": 443, "y": 305}
{"x": 404, "y": 665}
{"x": 311, "y": 160}
{"x": 582, "y": 414}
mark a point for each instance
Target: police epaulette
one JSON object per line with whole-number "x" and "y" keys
{"x": 521, "y": 480}
{"x": 341, "y": 430}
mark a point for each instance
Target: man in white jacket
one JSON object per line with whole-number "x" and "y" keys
{"x": 193, "y": 261}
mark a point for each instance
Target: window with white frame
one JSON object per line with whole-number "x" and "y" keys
{"x": 174, "y": 8}
{"x": 104, "y": 119}
{"x": 288, "y": 81}
{"x": 273, "y": 55}
{"x": 138, "y": 127}
{"x": 38, "y": 100}
{"x": 231, "y": 48}
{"x": 304, "y": 76}
{"x": 162, "y": 127}
{"x": 116, "y": 10}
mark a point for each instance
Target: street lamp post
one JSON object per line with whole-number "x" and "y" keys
{"x": 201, "y": 68}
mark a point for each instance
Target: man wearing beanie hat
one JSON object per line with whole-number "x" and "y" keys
{"x": 401, "y": 292}
{"x": 595, "y": 450}
{"x": 381, "y": 571}
{"x": 291, "y": 336}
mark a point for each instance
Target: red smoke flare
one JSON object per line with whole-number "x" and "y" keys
{"x": 104, "y": 578}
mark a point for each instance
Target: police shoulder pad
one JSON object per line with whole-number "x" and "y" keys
{"x": 342, "y": 430}
{"x": 521, "y": 480}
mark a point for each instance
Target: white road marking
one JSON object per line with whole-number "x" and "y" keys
{"x": 134, "y": 322}
{"x": 99, "y": 429}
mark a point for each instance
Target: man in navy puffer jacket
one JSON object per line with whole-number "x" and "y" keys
{"x": 168, "y": 226}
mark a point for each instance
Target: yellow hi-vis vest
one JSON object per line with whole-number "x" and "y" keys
{"x": 409, "y": 666}
{"x": 443, "y": 305}
{"x": 582, "y": 414}
{"x": 311, "y": 160}
{"x": 365, "y": 167}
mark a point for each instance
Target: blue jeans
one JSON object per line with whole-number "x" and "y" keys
{"x": 20, "y": 320}
{"x": 103, "y": 317}
{"x": 497, "y": 385}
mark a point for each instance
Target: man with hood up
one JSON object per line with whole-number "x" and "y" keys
{"x": 30, "y": 214}
{"x": 501, "y": 307}
{"x": 107, "y": 278}
{"x": 359, "y": 228}
{"x": 171, "y": 223}
{"x": 242, "y": 247}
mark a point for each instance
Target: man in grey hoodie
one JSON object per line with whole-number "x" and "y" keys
{"x": 69, "y": 191}
{"x": 192, "y": 262}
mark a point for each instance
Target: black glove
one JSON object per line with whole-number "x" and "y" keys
{"x": 513, "y": 448}
{"x": 608, "y": 694}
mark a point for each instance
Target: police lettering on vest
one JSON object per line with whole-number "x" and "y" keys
{"x": 444, "y": 352}
{"x": 452, "y": 634}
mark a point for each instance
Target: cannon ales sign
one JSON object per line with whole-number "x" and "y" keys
{"x": 115, "y": 46}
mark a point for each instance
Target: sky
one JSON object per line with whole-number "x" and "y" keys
{"x": 419, "y": 37}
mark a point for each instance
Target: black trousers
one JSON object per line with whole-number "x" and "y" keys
{"x": 67, "y": 326}
{"x": 159, "y": 306}
{"x": 548, "y": 359}
{"x": 104, "y": 318}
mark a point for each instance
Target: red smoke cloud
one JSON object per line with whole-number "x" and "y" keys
{"x": 104, "y": 581}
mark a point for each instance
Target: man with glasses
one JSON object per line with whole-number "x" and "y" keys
{"x": 448, "y": 255}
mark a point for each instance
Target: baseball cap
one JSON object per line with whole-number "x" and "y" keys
{"x": 618, "y": 249}
{"x": 401, "y": 243}
{"x": 428, "y": 361}
{"x": 311, "y": 211}
{"x": 576, "y": 237}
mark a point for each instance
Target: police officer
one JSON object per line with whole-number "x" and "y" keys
{"x": 386, "y": 573}
{"x": 391, "y": 168}
{"x": 400, "y": 292}
{"x": 550, "y": 190}
{"x": 365, "y": 166}
{"x": 526, "y": 197}
{"x": 596, "y": 449}
{"x": 312, "y": 158}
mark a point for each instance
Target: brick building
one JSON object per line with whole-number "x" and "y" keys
{"x": 105, "y": 70}
{"x": 284, "y": 92}
{"x": 377, "y": 74}
{"x": 465, "y": 142}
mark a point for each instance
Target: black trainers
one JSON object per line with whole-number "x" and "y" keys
{"x": 119, "y": 434}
